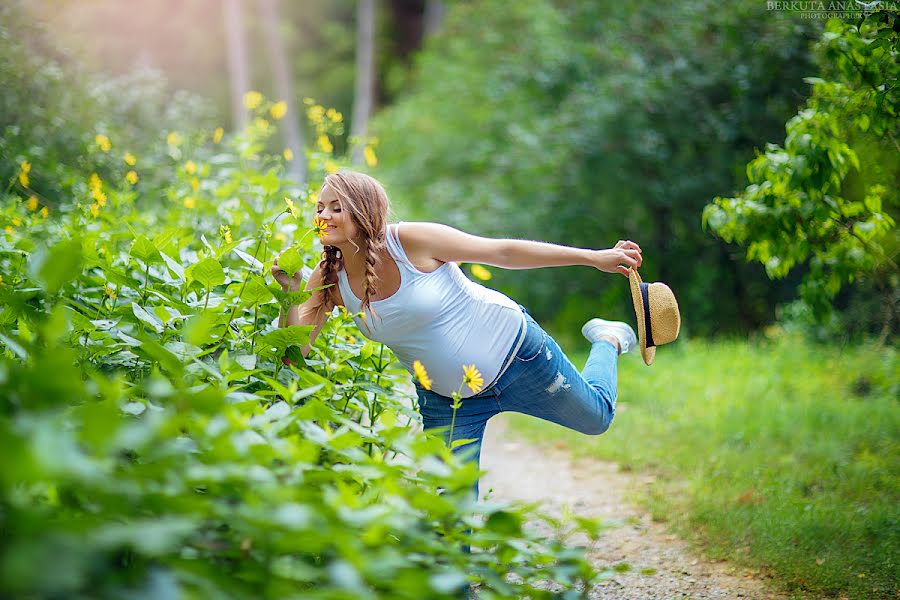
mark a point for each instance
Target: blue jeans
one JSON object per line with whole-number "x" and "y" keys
{"x": 541, "y": 381}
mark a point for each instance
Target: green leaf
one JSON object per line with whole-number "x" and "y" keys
{"x": 58, "y": 266}
{"x": 208, "y": 272}
{"x": 147, "y": 317}
{"x": 175, "y": 268}
{"x": 144, "y": 250}
{"x": 290, "y": 261}
{"x": 253, "y": 262}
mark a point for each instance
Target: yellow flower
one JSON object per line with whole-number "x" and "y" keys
{"x": 472, "y": 378}
{"x": 32, "y": 204}
{"x": 261, "y": 124}
{"x": 280, "y": 237}
{"x": 370, "y": 157}
{"x": 308, "y": 100}
{"x": 252, "y": 100}
{"x": 100, "y": 197}
{"x": 217, "y": 135}
{"x": 315, "y": 113}
{"x": 173, "y": 139}
{"x": 278, "y": 110}
{"x": 288, "y": 154}
{"x": 9, "y": 229}
{"x": 25, "y": 166}
{"x": 195, "y": 183}
{"x": 45, "y": 212}
{"x": 190, "y": 202}
{"x": 331, "y": 167}
{"x": 131, "y": 177}
{"x": 291, "y": 208}
{"x": 351, "y": 339}
{"x": 325, "y": 144}
{"x": 225, "y": 232}
{"x": 190, "y": 167}
{"x": 1, "y": 279}
{"x": 422, "y": 375}
{"x": 95, "y": 182}
{"x": 103, "y": 142}
{"x": 320, "y": 227}
{"x": 334, "y": 115}
{"x": 130, "y": 159}
{"x": 16, "y": 221}
{"x": 109, "y": 292}
{"x": 95, "y": 210}
{"x": 23, "y": 179}
{"x": 481, "y": 273}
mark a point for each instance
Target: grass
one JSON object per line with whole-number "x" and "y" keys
{"x": 773, "y": 453}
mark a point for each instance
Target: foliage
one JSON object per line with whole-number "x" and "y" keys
{"x": 584, "y": 123}
{"x": 776, "y": 454}
{"x": 154, "y": 444}
{"x": 814, "y": 200}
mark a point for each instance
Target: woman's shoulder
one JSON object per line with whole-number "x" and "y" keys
{"x": 413, "y": 237}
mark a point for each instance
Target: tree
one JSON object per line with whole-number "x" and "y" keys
{"x": 363, "y": 100}
{"x": 238, "y": 69}
{"x": 284, "y": 86}
{"x": 828, "y": 198}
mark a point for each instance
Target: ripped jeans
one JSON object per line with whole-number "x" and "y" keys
{"x": 541, "y": 381}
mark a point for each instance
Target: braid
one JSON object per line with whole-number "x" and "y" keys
{"x": 372, "y": 260}
{"x": 331, "y": 263}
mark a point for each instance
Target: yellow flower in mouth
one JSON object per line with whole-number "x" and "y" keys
{"x": 480, "y": 272}
{"x": 278, "y": 110}
{"x": 472, "y": 378}
{"x": 320, "y": 226}
{"x": 32, "y": 204}
{"x": 252, "y": 100}
{"x": 217, "y": 135}
{"x": 422, "y": 375}
{"x": 130, "y": 159}
{"x": 288, "y": 154}
{"x": 131, "y": 177}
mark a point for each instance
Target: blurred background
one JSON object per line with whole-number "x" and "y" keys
{"x": 575, "y": 122}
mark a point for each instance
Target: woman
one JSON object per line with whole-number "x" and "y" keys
{"x": 418, "y": 302}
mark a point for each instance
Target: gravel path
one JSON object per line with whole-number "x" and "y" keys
{"x": 659, "y": 565}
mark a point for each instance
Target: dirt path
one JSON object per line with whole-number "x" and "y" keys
{"x": 659, "y": 565}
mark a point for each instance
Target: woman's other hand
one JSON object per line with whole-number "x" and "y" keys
{"x": 288, "y": 284}
{"x": 619, "y": 259}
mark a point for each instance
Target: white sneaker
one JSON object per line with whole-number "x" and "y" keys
{"x": 594, "y": 329}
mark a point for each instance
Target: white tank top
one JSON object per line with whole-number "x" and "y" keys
{"x": 442, "y": 319}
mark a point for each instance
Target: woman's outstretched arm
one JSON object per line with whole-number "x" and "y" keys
{"x": 445, "y": 243}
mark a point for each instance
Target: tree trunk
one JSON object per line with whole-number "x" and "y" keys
{"x": 284, "y": 87}
{"x": 365, "y": 77}
{"x": 238, "y": 64}
{"x": 434, "y": 16}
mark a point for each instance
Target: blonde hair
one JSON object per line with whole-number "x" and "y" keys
{"x": 369, "y": 207}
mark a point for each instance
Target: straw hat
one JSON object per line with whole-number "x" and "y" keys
{"x": 657, "y": 314}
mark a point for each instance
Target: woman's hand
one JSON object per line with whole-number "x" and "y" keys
{"x": 619, "y": 259}
{"x": 288, "y": 284}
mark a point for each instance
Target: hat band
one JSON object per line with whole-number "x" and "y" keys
{"x": 647, "y": 328}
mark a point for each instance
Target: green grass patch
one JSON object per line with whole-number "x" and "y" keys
{"x": 774, "y": 453}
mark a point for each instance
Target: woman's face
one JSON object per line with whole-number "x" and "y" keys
{"x": 341, "y": 227}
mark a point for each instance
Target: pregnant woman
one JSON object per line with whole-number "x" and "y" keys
{"x": 405, "y": 279}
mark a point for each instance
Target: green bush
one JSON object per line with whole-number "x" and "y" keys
{"x": 155, "y": 445}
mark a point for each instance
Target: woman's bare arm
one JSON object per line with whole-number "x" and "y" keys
{"x": 448, "y": 244}
{"x": 313, "y": 312}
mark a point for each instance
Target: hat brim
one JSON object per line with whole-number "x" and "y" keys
{"x": 637, "y": 299}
